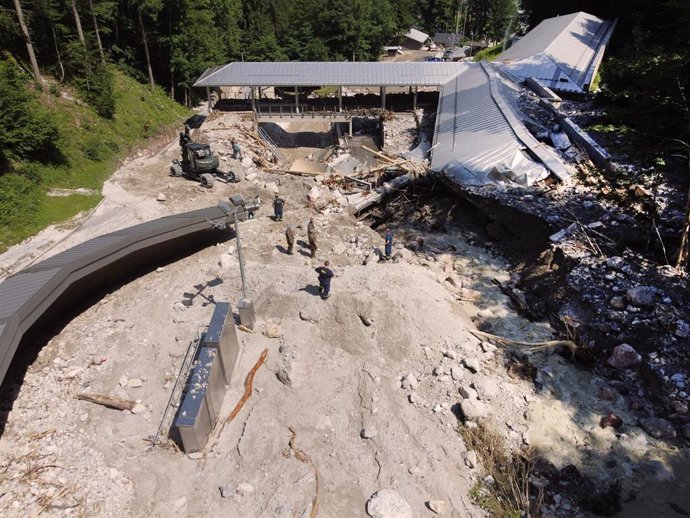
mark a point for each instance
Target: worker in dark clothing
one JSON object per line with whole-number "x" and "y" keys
{"x": 290, "y": 236}
{"x": 325, "y": 276}
{"x": 389, "y": 243}
{"x": 311, "y": 234}
{"x": 278, "y": 204}
{"x": 236, "y": 151}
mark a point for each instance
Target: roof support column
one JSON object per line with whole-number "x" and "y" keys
{"x": 251, "y": 89}
{"x": 350, "y": 126}
{"x": 208, "y": 96}
{"x": 414, "y": 98}
{"x": 340, "y": 99}
{"x": 383, "y": 97}
{"x": 297, "y": 99}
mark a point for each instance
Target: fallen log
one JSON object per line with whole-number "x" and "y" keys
{"x": 366, "y": 200}
{"x": 107, "y": 401}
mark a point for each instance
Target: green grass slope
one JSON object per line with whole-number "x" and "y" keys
{"x": 91, "y": 147}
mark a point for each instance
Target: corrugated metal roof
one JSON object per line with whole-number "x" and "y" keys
{"x": 348, "y": 73}
{"x": 27, "y": 294}
{"x": 19, "y": 288}
{"x": 476, "y": 131}
{"x": 417, "y": 35}
{"x": 572, "y": 42}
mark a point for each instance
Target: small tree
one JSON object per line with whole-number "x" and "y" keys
{"x": 682, "y": 259}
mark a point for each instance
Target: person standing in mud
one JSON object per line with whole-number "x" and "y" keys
{"x": 389, "y": 243}
{"x": 325, "y": 276}
{"x": 290, "y": 236}
{"x": 311, "y": 234}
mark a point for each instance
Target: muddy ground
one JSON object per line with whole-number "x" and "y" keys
{"x": 381, "y": 375}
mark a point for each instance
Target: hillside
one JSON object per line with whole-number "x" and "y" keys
{"x": 36, "y": 192}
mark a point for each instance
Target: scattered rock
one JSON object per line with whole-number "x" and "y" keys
{"x": 387, "y": 503}
{"x": 403, "y": 256}
{"x": 368, "y": 433}
{"x": 179, "y": 503}
{"x": 160, "y": 269}
{"x": 134, "y": 383}
{"x": 414, "y": 398}
{"x": 450, "y": 353}
{"x": 372, "y": 258}
{"x": 470, "y": 458}
{"x": 615, "y": 263}
{"x": 611, "y": 420}
{"x": 161, "y": 197}
{"x": 309, "y": 315}
{"x": 272, "y": 188}
{"x": 284, "y": 377}
{"x": 179, "y": 306}
{"x": 123, "y": 381}
{"x": 468, "y": 393}
{"x": 617, "y": 303}
{"x": 624, "y": 356}
{"x": 658, "y": 428}
{"x": 487, "y": 388}
{"x": 682, "y": 329}
{"x": 225, "y": 491}
{"x": 438, "y": 506}
{"x": 409, "y": 381}
{"x": 244, "y": 489}
{"x": 472, "y": 364}
{"x": 226, "y": 261}
{"x": 138, "y": 408}
{"x": 339, "y": 248}
{"x": 641, "y": 296}
{"x": 487, "y": 347}
{"x": 473, "y": 410}
{"x": 272, "y": 330}
{"x": 457, "y": 372}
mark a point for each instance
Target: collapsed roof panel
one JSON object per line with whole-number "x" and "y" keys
{"x": 357, "y": 73}
{"x": 478, "y": 140}
{"x": 564, "y": 51}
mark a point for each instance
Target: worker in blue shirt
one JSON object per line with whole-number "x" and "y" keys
{"x": 325, "y": 276}
{"x": 278, "y": 204}
{"x": 389, "y": 243}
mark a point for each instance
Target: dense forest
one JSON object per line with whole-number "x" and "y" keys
{"x": 169, "y": 43}
{"x": 87, "y": 47}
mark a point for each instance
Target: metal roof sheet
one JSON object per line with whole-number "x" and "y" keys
{"x": 476, "y": 131}
{"x": 573, "y": 42}
{"x": 19, "y": 288}
{"x": 417, "y": 35}
{"x": 25, "y": 295}
{"x": 347, "y": 73}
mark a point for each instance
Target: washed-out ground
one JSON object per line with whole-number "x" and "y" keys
{"x": 380, "y": 375}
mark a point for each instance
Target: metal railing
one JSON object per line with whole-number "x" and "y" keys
{"x": 179, "y": 387}
{"x": 279, "y": 111}
{"x": 272, "y": 146}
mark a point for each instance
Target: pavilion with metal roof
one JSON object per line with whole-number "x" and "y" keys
{"x": 563, "y": 53}
{"x": 337, "y": 73}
